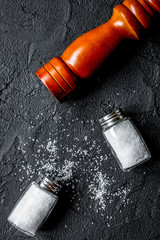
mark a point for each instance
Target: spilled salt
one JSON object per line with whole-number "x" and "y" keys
{"x": 73, "y": 164}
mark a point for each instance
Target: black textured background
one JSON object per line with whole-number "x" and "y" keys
{"x": 39, "y": 134}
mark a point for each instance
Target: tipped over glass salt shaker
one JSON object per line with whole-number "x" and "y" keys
{"x": 124, "y": 140}
{"x": 35, "y": 205}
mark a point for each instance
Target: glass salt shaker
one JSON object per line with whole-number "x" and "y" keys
{"x": 35, "y": 205}
{"x": 124, "y": 140}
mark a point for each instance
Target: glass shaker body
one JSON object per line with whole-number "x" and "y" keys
{"x": 34, "y": 206}
{"x": 124, "y": 140}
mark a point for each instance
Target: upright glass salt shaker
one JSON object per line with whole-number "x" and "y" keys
{"x": 35, "y": 205}
{"x": 124, "y": 140}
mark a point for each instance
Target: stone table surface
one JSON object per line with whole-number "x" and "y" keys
{"x": 99, "y": 201}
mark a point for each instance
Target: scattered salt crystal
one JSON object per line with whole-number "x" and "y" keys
{"x": 51, "y": 147}
{"x": 85, "y": 152}
{"x": 99, "y": 187}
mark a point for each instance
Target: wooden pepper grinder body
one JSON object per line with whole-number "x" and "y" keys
{"x": 83, "y": 57}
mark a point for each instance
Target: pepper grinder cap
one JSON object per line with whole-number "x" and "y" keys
{"x": 58, "y": 78}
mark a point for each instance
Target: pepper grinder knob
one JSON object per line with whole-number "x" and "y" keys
{"x": 84, "y": 56}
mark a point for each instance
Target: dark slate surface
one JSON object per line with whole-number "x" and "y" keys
{"x": 99, "y": 201}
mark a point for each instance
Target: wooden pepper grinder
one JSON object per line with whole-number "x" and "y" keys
{"x": 83, "y": 57}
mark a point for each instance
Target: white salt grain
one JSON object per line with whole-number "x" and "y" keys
{"x": 51, "y": 147}
{"x": 100, "y": 187}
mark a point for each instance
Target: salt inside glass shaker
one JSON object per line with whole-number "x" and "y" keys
{"x": 35, "y": 205}
{"x": 124, "y": 140}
